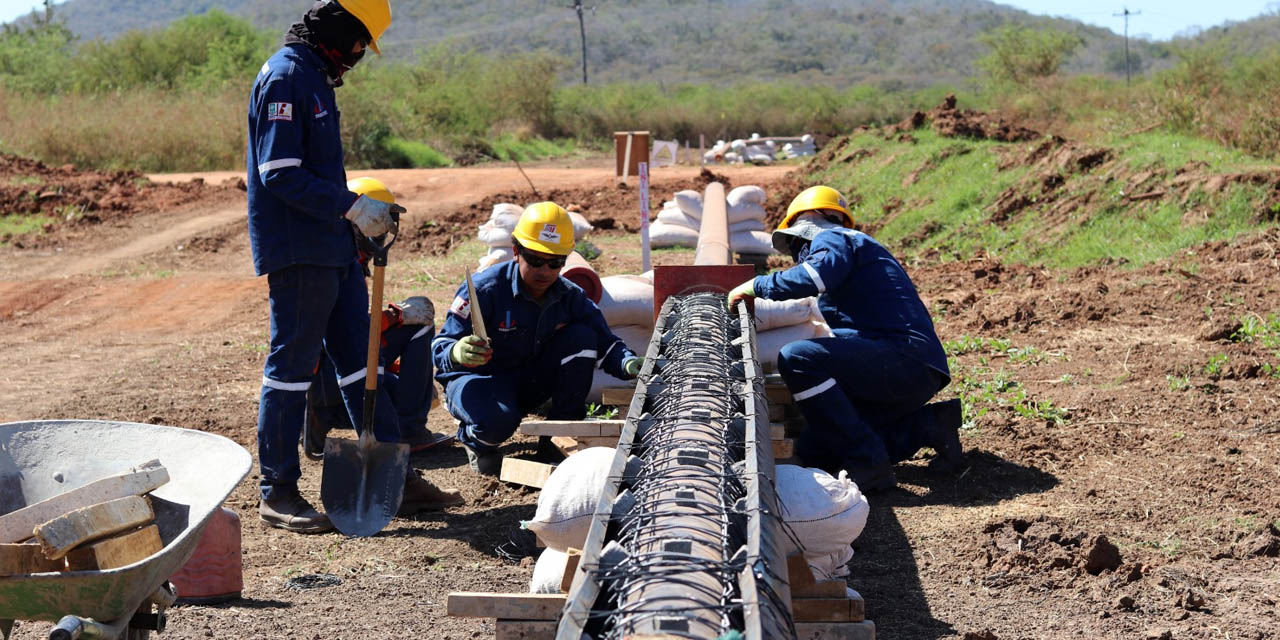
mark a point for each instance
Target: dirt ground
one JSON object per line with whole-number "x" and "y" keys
{"x": 1135, "y": 498}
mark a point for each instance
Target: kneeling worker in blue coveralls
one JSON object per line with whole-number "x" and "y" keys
{"x": 864, "y": 391}
{"x": 546, "y": 337}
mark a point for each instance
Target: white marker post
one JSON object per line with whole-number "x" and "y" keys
{"x": 644, "y": 216}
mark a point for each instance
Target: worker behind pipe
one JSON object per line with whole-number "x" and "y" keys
{"x": 546, "y": 338}
{"x": 405, "y": 359}
{"x": 302, "y": 221}
{"x": 863, "y": 391}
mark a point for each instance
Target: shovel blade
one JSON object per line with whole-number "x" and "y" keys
{"x": 362, "y": 484}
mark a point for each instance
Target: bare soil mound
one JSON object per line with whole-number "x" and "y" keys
{"x": 72, "y": 198}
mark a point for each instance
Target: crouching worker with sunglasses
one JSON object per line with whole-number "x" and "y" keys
{"x": 546, "y": 337}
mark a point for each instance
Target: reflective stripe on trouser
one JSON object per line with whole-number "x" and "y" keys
{"x": 410, "y": 390}
{"x": 862, "y": 400}
{"x": 490, "y": 406}
{"x": 311, "y": 307}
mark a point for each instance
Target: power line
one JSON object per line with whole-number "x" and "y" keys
{"x": 1126, "y": 15}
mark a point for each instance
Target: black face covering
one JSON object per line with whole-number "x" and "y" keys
{"x": 332, "y": 32}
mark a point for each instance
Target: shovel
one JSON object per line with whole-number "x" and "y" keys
{"x": 363, "y": 481}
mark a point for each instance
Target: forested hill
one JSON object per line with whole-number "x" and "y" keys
{"x": 842, "y": 42}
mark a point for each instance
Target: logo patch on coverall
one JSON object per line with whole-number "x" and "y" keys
{"x": 280, "y": 111}
{"x": 461, "y": 307}
{"x": 549, "y": 234}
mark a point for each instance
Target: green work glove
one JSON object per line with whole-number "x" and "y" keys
{"x": 470, "y": 351}
{"x": 742, "y": 292}
{"x": 632, "y": 366}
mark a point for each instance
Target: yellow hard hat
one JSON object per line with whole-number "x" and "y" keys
{"x": 545, "y": 227}
{"x": 371, "y": 187}
{"x": 814, "y": 198}
{"x": 375, "y": 15}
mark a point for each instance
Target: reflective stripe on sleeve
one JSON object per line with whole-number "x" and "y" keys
{"x": 421, "y": 332}
{"x": 279, "y": 164}
{"x": 356, "y": 377}
{"x": 585, "y": 353}
{"x": 600, "y": 361}
{"x": 817, "y": 279}
{"x": 285, "y": 386}
{"x": 813, "y": 391}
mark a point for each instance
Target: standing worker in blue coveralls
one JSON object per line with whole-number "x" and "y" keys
{"x": 301, "y": 216}
{"x": 546, "y": 337}
{"x": 864, "y": 391}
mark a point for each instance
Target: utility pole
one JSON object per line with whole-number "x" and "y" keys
{"x": 1126, "y": 15}
{"x": 582, "y": 28}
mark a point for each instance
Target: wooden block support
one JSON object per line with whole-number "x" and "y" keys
{"x": 799, "y": 575}
{"x": 515, "y": 606}
{"x": 572, "y": 428}
{"x": 117, "y": 551}
{"x": 64, "y": 533}
{"x": 777, "y": 393}
{"x": 144, "y": 478}
{"x": 23, "y": 558}
{"x": 525, "y": 472}
{"x": 566, "y": 444}
{"x": 570, "y": 568}
{"x": 822, "y": 589}
{"x": 783, "y": 449}
{"x": 828, "y": 609}
{"x": 865, "y": 630}
{"x": 524, "y": 630}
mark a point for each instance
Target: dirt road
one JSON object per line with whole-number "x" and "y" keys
{"x": 1104, "y": 415}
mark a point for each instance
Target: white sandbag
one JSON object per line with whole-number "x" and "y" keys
{"x": 679, "y": 218}
{"x": 647, "y": 276}
{"x": 732, "y": 157}
{"x": 760, "y": 158}
{"x": 496, "y": 255}
{"x": 824, "y": 566}
{"x": 770, "y": 342}
{"x": 745, "y": 193}
{"x": 771, "y": 314}
{"x": 690, "y": 202}
{"x": 569, "y": 498}
{"x": 825, "y": 513}
{"x": 671, "y": 235}
{"x": 548, "y": 572}
{"x": 636, "y": 336}
{"x": 806, "y": 139}
{"x": 581, "y": 227}
{"x": 494, "y": 236}
{"x": 750, "y": 224}
{"x": 745, "y": 211}
{"x": 626, "y": 300}
{"x": 822, "y": 330}
{"x": 756, "y": 242}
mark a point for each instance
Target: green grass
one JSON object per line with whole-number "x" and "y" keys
{"x": 956, "y": 194}
{"x": 420, "y": 155}
{"x": 18, "y": 223}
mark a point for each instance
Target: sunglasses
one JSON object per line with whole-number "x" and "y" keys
{"x": 537, "y": 262}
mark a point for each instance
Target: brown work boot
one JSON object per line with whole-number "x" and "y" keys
{"x": 292, "y": 512}
{"x": 420, "y": 495}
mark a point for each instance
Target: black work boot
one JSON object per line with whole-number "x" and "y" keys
{"x": 291, "y": 512}
{"x": 314, "y": 430}
{"x": 421, "y": 494}
{"x": 873, "y": 479}
{"x": 547, "y": 452}
{"x": 485, "y": 464}
{"x": 944, "y": 435}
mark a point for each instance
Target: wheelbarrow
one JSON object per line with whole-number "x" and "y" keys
{"x": 41, "y": 459}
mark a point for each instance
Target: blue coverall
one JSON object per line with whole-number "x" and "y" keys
{"x": 863, "y": 391}
{"x": 300, "y": 241}
{"x": 410, "y": 388}
{"x": 540, "y": 350}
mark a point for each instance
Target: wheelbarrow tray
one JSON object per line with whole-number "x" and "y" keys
{"x": 41, "y": 459}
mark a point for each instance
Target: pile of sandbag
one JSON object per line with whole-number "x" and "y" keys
{"x": 496, "y": 232}
{"x": 680, "y": 218}
{"x": 754, "y": 150}
{"x": 826, "y": 514}
{"x": 565, "y": 506}
{"x": 780, "y": 322}
{"x": 805, "y": 147}
{"x": 627, "y": 305}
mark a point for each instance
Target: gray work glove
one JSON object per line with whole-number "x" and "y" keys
{"x": 417, "y": 310}
{"x": 373, "y": 217}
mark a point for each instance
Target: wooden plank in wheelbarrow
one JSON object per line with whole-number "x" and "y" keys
{"x": 144, "y": 478}
{"x": 117, "y": 551}
{"x": 24, "y": 558}
{"x": 64, "y": 533}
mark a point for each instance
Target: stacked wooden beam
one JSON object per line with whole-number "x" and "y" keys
{"x": 106, "y": 524}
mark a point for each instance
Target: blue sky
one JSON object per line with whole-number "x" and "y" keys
{"x": 1158, "y": 20}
